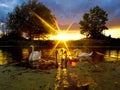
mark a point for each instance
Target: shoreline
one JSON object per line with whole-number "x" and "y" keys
{"x": 22, "y": 78}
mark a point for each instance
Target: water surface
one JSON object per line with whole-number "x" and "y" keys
{"x": 7, "y": 56}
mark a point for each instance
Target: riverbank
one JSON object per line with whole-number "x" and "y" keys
{"x": 91, "y": 43}
{"x": 22, "y": 78}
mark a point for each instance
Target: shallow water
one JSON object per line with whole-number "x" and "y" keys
{"x": 9, "y": 56}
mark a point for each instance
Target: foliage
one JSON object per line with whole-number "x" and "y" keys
{"x": 22, "y": 19}
{"x": 93, "y": 23}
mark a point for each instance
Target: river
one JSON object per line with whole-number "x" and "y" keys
{"x": 7, "y": 56}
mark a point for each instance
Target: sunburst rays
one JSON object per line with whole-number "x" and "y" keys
{"x": 59, "y": 31}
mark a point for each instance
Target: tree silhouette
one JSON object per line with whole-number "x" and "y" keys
{"x": 22, "y": 19}
{"x": 93, "y": 23}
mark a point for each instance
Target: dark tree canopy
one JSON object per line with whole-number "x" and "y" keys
{"x": 93, "y": 23}
{"x": 22, "y": 19}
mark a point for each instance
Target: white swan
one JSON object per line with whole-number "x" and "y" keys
{"x": 85, "y": 56}
{"x": 34, "y": 57}
{"x": 94, "y": 56}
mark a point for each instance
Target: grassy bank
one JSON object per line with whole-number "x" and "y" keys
{"x": 21, "y": 78}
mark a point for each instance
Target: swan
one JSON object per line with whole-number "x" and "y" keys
{"x": 34, "y": 57}
{"x": 94, "y": 56}
{"x": 85, "y": 56}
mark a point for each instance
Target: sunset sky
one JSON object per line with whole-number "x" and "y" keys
{"x": 67, "y": 11}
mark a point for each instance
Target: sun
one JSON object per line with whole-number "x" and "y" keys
{"x": 67, "y": 36}
{"x": 61, "y": 36}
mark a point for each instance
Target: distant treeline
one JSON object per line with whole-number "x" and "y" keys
{"x": 73, "y": 43}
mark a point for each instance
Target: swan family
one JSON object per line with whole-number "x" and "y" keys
{"x": 92, "y": 57}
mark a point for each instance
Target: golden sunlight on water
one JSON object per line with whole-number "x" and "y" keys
{"x": 25, "y": 53}
{"x": 6, "y": 57}
{"x": 2, "y": 58}
{"x": 112, "y": 55}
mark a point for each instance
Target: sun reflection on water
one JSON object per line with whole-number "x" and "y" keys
{"x": 3, "y": 58}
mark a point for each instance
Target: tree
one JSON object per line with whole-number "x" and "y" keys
{"x": 22, "y": 19}
{"x": 93, "y": 23}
